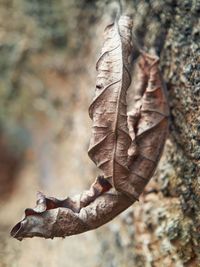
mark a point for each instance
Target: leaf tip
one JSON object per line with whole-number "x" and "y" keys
{"x": 16, "y": 230}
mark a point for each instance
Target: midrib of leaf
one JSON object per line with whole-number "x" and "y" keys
{"x": 116, "y": 123}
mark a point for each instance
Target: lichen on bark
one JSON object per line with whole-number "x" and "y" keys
{"x": 165, "y": 224}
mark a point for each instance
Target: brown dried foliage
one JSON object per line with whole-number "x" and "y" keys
{"x": 110, "y": 138}
{"x": 126, "y": 148}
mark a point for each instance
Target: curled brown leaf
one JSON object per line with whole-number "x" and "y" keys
{"x": 126, "y": 149}
{"x": 110, "y": 139}
{"x": 61, "y": 221}
{"x": 148, "y": 126}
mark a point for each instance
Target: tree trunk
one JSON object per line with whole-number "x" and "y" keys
{"x": 49, "y": 49}
{"x": 163, "y": 229}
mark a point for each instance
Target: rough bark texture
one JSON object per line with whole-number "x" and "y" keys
{"x": 161, "y": 230}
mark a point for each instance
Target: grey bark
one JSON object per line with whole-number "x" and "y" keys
{"x": 163, "y": 230}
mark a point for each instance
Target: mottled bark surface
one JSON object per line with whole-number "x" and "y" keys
{"x": 48, "y": 53}
{"x": 163, "y": 229}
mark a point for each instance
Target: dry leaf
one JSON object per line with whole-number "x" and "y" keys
{"x": 126, "y": 150}
{"x": 148, "y": 126}
{"x": 110, "y": 138}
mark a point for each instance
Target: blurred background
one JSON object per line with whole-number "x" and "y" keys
{"x": 48, "y": 52}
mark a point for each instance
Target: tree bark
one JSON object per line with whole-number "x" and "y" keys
{"x": 164, "y": 228}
